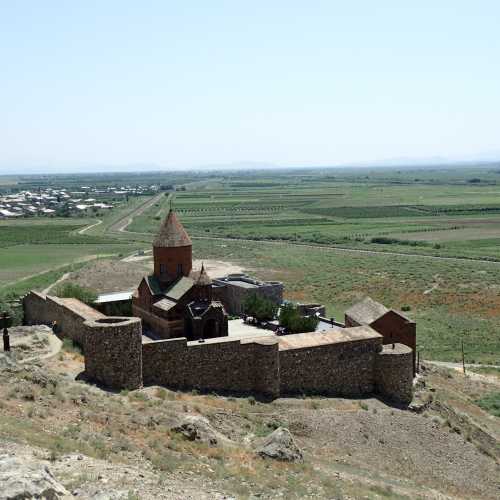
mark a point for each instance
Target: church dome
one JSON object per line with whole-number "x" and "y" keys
{"x": 203, "y": 278}
{"x": 172, "y": 233}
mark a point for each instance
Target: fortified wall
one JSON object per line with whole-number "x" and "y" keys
{"x": 340, "y": 361}
{"x": 111, "y": 345}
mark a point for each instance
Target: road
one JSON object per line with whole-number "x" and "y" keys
{"x": 347, "y": 250}
{"x": 325, "y": 247}
{"x": 121, "y": 224}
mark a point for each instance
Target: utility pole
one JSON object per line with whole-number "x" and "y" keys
{"x": 463, "y": 357}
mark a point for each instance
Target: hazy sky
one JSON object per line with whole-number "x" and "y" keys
{"x": 191, "y": 83}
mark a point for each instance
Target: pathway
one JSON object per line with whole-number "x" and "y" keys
{"x": 55, "y": 345}
{"x": 65, "y": 276}
{"x": 121, "y": 224}
{"x": 85, "y": 229}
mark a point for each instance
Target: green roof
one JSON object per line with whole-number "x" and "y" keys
{"x": 179, "y": 288}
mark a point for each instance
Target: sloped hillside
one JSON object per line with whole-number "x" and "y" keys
{"x": 99, "y": 444}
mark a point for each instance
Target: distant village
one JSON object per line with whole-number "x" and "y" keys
{"x": 52, "y": 202}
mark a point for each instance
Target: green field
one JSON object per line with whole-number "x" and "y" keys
{"x": 366, "y": 232}
{"x": 411, "y": 213}
{"x": 35, "y": 252}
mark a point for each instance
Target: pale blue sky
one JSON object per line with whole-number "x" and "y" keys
{"x": 191, "y": 83}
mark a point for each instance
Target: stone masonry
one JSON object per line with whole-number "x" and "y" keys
{"x": 340, "y": 361}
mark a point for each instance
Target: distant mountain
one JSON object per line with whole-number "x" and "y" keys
{"x": 402, "y": 162}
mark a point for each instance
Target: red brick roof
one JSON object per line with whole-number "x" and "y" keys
{"x": 172, "y": 233}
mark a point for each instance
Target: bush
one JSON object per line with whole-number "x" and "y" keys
{"x": 260, "y": 308}
{"x": 291, "y": 319}
{"x": 490, "y": 403}
{"x": 75, "y": 291}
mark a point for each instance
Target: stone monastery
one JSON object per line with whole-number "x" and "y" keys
{"x": 178, "y": 337}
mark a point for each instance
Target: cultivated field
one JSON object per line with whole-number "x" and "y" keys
{"x": 366, "y": 232}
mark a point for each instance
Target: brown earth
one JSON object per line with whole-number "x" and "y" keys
{"x": 96, "y": 441}
{"x": 106, "y": 275}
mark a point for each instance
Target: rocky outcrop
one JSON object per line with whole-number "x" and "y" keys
{"x": 196, "y": 428}
{"x": 280, "y": 445}
{"x": 28, "y": 479}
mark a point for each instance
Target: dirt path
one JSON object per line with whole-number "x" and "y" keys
{"x": 348, "y": 250}
{"x": 448, "y": 364}
{"x": 55, "y": 345}
{"x": 121, "y": 224}
{"x": 482, "y": 377}
{"x": 85, "y": 229}
{"x": 65, "y": 276}
{"x": 324, "y": 247}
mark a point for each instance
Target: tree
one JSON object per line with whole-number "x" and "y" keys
{"x": 291, "y": 319}
{"x": 261, "y": 308}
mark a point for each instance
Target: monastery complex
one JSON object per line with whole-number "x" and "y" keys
{"x": 179, "y": 337}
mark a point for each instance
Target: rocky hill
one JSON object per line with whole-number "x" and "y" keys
{"x": 63, "y": 438}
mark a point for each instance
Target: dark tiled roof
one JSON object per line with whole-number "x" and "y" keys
{"x": 367, "y": 311}
{"x": 171, "y": 233}
{"x": 153, "y": 284}
{"x": 179, "y": 288}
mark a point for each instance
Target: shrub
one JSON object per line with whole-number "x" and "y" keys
{"x": 75, "y": 291}
{"x": 291, "y": 319}
{"x": 260, "y": 308}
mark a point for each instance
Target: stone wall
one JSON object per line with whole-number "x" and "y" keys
{"x": 266, "y": 366}
{"x": 223, "y": 365}
{"x": 35, "y": 309}
{"x": 233, "y": 296}
{"x": 396, "y": 328}
{"x": 113, "y": 352}
{"x": 394, "y": 373}
{"x": 343, "y": 369}
{"x": 68, "y": 314}
{"x": 311, "y": 309}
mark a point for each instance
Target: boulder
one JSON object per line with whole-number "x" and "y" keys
{"x": 197, "y": 428}
{"x": 280, "y": 445}
{"x": 28, "y": 479}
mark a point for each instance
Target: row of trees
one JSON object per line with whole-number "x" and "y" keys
{"x": 263, "y": 309}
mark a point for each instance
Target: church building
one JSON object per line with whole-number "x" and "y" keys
{"x": 175, "y": 301}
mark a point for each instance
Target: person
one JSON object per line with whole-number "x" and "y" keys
{"x": 54, "y": 327}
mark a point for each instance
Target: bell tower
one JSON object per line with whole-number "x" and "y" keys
{"x": 172, "y": 251}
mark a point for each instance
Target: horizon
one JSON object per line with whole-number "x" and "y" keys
{"x": 187, "y": 87}
{"x": 264, "y": 168}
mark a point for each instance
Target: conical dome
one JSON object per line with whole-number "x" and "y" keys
{"x": 172, "y": 233}
{"x": 203, "y": 278}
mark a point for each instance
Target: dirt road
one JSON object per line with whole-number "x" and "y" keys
{"x": 121, "y": 224}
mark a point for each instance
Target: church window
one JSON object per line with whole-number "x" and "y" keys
{"x": 179, "y": 268}
{"x": 163, "y": 269}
